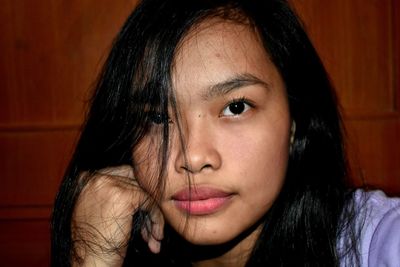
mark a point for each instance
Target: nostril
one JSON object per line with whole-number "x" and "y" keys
{"x": 207, "y": 166}
{"x": 190, "y": 169}
{"x": 185, "y": 168}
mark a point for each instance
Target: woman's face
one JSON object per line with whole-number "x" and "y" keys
{"x": 235, "y": 127}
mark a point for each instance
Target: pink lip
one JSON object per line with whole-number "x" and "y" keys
{"x": 201, "y": 200}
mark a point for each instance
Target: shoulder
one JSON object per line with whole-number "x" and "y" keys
{"x": 378, "y": 220}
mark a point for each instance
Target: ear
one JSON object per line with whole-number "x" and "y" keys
{"x": 292, "y": 134}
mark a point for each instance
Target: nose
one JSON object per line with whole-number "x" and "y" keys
{"x": 199, "y": 152}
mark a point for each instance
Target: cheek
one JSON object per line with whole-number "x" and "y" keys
{"x": 259, "y": 148}
{"x": 260, "y": 157}
{"x": 147, "y": 162}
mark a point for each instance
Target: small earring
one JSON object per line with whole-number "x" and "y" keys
{"x": 292, "y": 134}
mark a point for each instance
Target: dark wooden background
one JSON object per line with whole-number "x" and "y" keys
{"x": 51, "y": 52}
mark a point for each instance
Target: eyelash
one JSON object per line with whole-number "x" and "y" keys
{"x": 243, "y": 100}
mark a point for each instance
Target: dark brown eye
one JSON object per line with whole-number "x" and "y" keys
{"x": 235, "y": 108}
{"x": 158, "y": 118}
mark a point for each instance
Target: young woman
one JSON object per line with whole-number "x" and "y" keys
{"x": 214, "y": 139}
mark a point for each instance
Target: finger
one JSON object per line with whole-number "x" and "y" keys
{"x": 154, "y": 245}
{"x": 157, "y": 227}
{"x": 145, "y": 234}
{"x": 146, "y": 228}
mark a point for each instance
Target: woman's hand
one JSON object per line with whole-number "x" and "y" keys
{"x": 102, "y": 219}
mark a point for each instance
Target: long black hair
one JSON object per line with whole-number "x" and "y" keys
{"x": 313, "y": 209}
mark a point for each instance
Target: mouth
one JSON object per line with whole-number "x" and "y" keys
{"x": 201, "y": 200}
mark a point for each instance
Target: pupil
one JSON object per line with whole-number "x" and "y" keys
{"x": 158, "y": 118}
{"x": 236, "y": 108}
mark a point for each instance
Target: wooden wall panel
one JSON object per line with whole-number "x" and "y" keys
{"x": 376, "y": 153}
{"x": 358, "y": 41}
{"x": 33, "y": 166}
{"x": 51, "y": 54}
{"x": 25, "y": 243}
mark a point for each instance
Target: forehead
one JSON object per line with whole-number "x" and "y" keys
{"x": 216, "y": 50}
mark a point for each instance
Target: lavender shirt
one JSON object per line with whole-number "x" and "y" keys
{"x": 379, "y": 221}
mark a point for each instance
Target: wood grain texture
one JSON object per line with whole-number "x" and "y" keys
{"x": 34, "y": 164}
{"x": 358, "y": 42}
{"x": 25, "y": 243}
{"x": 376, "y": 153}
{"x": 52, "y": 52}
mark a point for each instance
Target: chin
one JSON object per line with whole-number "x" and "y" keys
{"x": 198, "y": 233}
{"x": 206, "y": 239}
{"x": 210, "y": 230}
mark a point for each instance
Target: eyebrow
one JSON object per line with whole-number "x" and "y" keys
{"x": 231, "y": 84}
